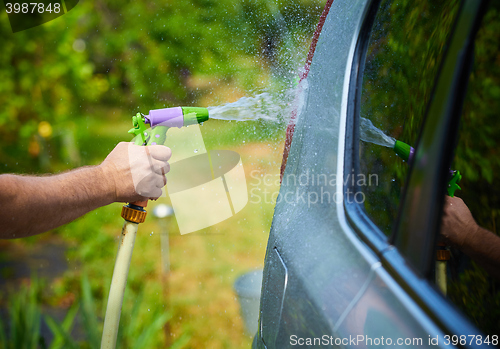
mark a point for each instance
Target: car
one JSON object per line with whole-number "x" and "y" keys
{"x": 351, "y": 256}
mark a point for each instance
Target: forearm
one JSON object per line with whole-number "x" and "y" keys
{"x": 484, "y": 248}
{"x": 32, "y": 205}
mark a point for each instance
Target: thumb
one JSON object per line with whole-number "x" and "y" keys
{"x": 160, "y": 152}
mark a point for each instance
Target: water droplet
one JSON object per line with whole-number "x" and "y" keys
{"x": 196, "y": 150}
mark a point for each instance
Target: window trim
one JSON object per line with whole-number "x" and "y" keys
{"x": 355, "y": 213}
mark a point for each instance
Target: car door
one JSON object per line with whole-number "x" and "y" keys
{"x": 334, "y": 276}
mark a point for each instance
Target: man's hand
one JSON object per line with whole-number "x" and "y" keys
{"x": 457, "y": 225}
{"x": 37, "y": 204}
{"x": 136, "y": 173}
{"x": 459, "y": 229}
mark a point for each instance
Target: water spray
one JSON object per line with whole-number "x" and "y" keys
{"x": 148, "y": 130}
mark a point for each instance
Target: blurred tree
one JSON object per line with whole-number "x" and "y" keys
{"x": 43, "y": 82}
{"x": 108, "y": 55}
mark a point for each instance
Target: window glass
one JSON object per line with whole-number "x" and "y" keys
{"x": 474, "y": 268}
{"x": 404, "y": 51}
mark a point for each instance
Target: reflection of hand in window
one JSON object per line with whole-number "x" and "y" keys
{"x": 459, "y": 229}
{"x": 457, "y": 223}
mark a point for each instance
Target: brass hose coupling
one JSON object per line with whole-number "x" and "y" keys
{"x": 442, "y": 254}
{"x": 134, "y": 213}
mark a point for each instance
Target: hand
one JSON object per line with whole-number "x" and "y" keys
{"x": 136, "y": 173}
{"x": 457, "y": 224}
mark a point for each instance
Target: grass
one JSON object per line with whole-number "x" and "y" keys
{"x": 23, "y": 329}
{"x": 25, "y": 319}
{"x": 197, "y": 307}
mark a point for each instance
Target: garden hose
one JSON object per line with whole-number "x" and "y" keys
{"x": 158, "y": 122}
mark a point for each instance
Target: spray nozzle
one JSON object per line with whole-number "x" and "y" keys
{"x": 405, "y": 152}
{"x": 177, "y": 117}
{"x": 454, "y": 178}
{"x": 151, "y": 129}
{"x": 140, "y": 130}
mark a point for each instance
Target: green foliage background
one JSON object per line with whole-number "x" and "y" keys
{"x": 106, "y": 60}
{"x": 477, "y": 157}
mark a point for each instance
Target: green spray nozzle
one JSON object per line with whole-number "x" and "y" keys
{"x": 406, "y": 152}
{"x": 151, "y": 129}
{"x": 455, "y": 177}
{"x": 403, "y": 150}
{"x": 140, "y": 130}
{"x": 194, "y": 115}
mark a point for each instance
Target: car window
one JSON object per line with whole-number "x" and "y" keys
{"x": 471, "y": 281}
{"x": 405, "y": 49}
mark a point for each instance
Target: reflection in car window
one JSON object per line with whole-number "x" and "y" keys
{"x": 474, "y": 277}
{"x": 404, "y": 51}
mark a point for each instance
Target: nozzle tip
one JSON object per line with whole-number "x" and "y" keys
{"x": 194, "y": 115}
{"x": 403, "y": 150}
